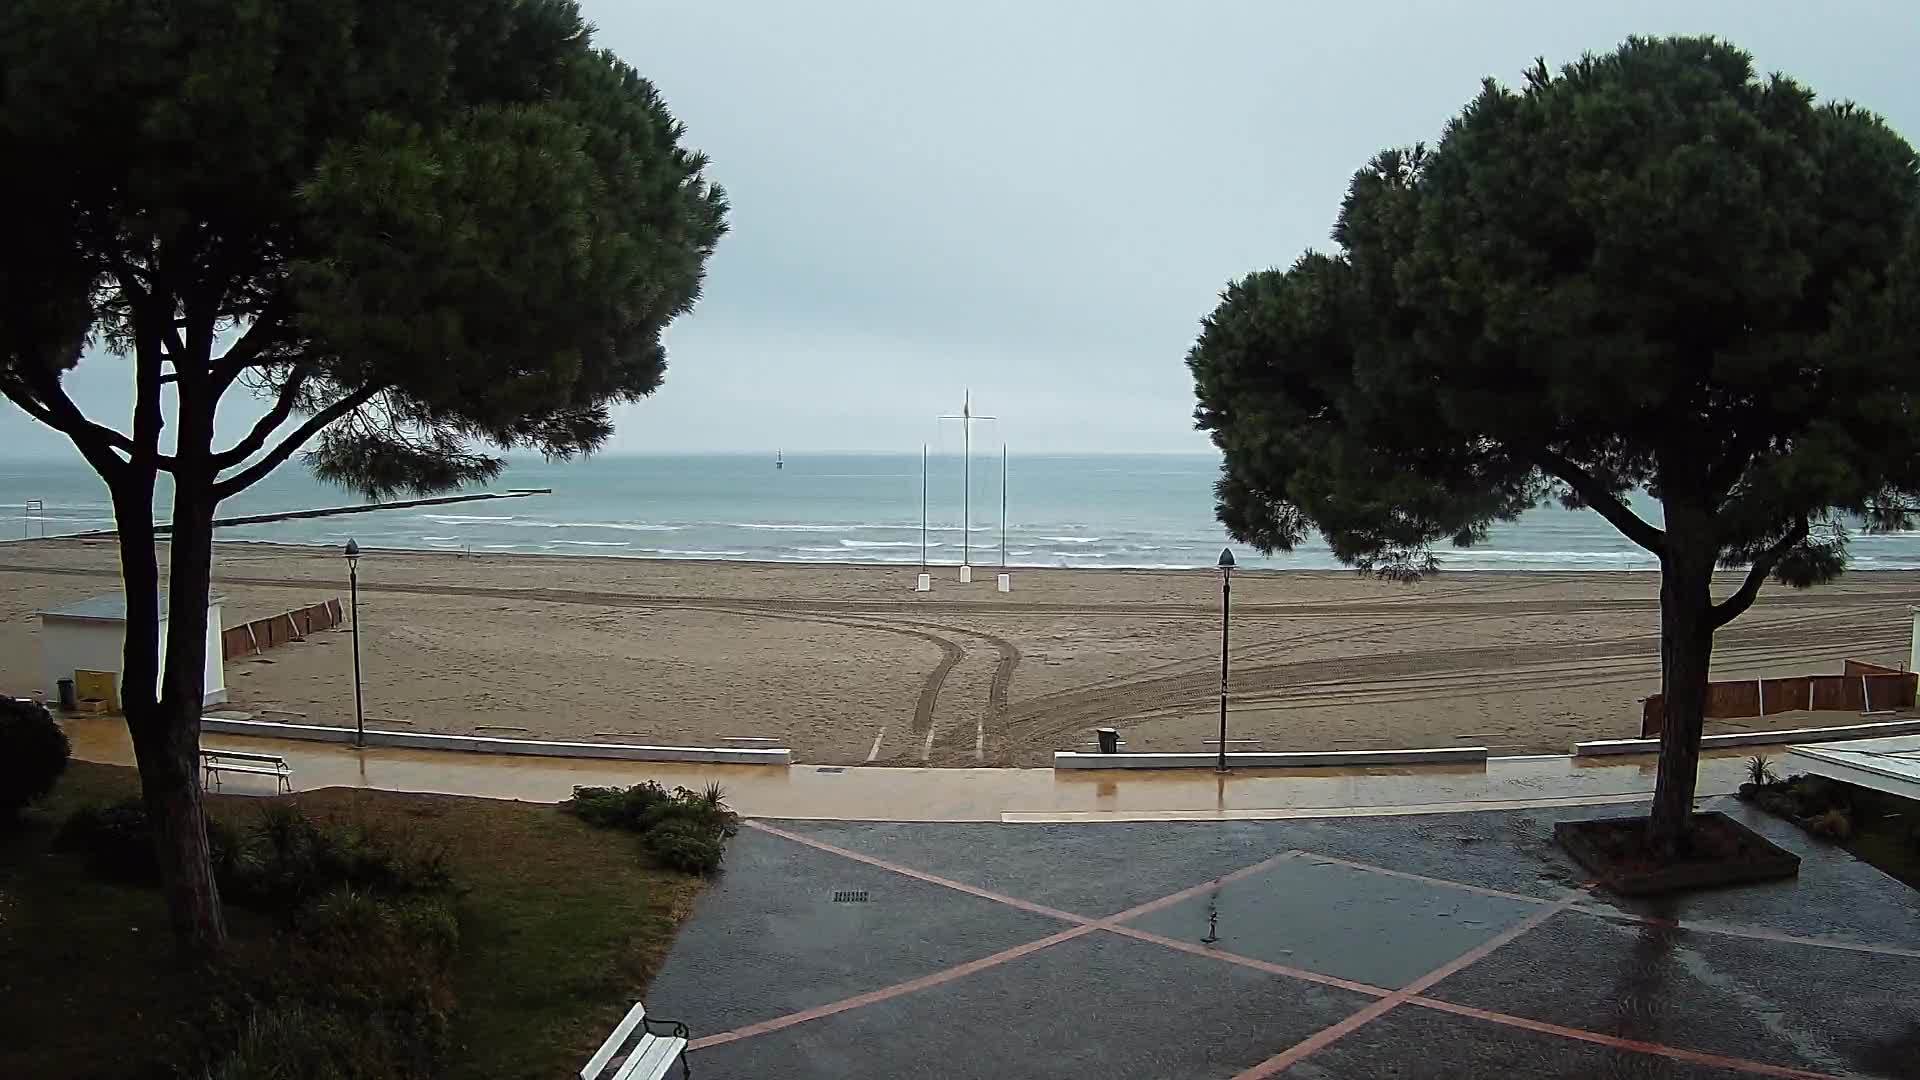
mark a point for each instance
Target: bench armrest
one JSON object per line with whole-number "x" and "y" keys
{"x": 674, "y": 1028}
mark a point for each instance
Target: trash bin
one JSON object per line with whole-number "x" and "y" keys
{"x": 69, "y": 700}
{"x": 1109, "y": 739}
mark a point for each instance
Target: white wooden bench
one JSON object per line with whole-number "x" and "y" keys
{"x": 215, "y": 762}
{"x": 648, "y": 1058}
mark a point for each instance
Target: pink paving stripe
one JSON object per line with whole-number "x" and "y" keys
{"x": 1195, "y": 890}
{"x": 1759, "y": 1068}
{"x": 1327, "y": 1036}
{"x": 1756, "y": 933}
{"x": 894, "y": 991}
{"x": 921, "y": 875}
{"x": 1301, "y": 974}
{"x": 1442, "y": 882}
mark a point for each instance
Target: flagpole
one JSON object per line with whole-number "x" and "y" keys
{"x": 923, "y": 506}
{"x": 1003, "y": 506}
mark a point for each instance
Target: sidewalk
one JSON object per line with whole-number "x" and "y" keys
{"x": 866, "y": 793}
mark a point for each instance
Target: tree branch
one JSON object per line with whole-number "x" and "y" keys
{"x": 266, "y": 425}
{"x": 41, "y": 397}
{"x": 262, "y": 334}
{"x": 1733, "y": 606}
{"x": 244, "y": 479}
{"x": 1605, "y": 502}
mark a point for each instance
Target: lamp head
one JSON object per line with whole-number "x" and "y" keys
{"x": 353, "y": 552}
{"x": 1226, "y": 560}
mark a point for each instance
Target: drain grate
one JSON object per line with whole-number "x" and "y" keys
{"x": 831, "y": 769}
{"x": 850, "y": 896}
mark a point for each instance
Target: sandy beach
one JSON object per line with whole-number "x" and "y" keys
{"x": 847, "y": 664}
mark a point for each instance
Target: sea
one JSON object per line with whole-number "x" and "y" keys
{"x": 1088, "y": 510}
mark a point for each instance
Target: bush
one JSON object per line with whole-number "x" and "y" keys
{"x": 1835, "y": 825}
{"x": 289, "y": 858}
{"x": 33, "y": 754}
{"x": 117, "y": 842}
{"x": 681, "y": 829}
{"x": 686, "y": 846}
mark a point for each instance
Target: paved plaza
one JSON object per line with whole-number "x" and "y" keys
{"x": 1441, "y": 945}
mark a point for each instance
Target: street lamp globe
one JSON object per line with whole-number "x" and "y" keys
{"x": 1226, "y": 560}
{"x": 353, "y": 552}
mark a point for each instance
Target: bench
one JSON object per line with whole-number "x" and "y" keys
{"x": 215, "y": 762}
{"x": 648, "y": 1058}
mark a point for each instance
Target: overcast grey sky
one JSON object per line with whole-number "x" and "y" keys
{"x": 1039, "y": 200}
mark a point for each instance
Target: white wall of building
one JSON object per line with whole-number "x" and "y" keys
{"x": 74, "y": 644}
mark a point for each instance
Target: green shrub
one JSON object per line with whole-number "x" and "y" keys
{"x": 33, "y": 754}
{"x": 289, "y": 858}
{"x": 1835, "y": 825}
{"x": 117, "y": 842}
{"x": 685, "y": 845}
{"x": 616, "y": 808}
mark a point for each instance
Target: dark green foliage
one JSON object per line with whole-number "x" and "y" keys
{"x": 285, "y": 860}
{"x": 685, "y": 845}
{"x": 117, "y": 842}
{"x": 33, "y": 754}
{"x": 681, "y": 829}
{"x": 1651, "y": 271}
{"x": 289, "y": 858}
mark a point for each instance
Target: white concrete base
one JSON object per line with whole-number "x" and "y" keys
{"x": 1003, "y": 582}
{"x": 482, "y": 744}
{"x": 1889, "y": 765}
{"x": 923, "y": 583}
{"x": 1253, "y": 759}
{"x": 966, "y": 575}
{"x": 1754, "y": 738}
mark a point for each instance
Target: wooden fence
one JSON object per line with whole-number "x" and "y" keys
{"x": 1862, "y": 688}
{"x": 262, "y": 634}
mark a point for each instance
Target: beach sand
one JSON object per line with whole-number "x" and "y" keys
{"x": 847, "y": 664}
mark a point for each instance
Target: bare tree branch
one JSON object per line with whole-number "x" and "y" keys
{"x": 244, "y": 479}
{"x": 265, "y": 427}
{"x": 1731, "y": 608}
{"x": 266, "y": 331}
{"x": 1594, "y": 494}
{"x": 41, "y": 396}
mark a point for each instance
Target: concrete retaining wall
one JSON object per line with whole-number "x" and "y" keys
{"x": 1448, "y": 755}
{"x": 482, "y": 744}
{"x": 1754, "y": 738}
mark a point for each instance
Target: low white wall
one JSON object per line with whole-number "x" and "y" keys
{"x": 483, "y": 744}
{"x": 1444, "y": 755}
{"x": 1754, "y": 738}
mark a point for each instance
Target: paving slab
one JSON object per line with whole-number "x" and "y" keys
{"x": 1827, "y": 1010}
{"x": 1096, "y": 1006}
{"x": 768, "y": 938}
{"x": 1336, "y": 920}
{"x": 1419, "y": 1044}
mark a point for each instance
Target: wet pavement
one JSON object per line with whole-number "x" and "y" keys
{"x": 1445, "y": 945}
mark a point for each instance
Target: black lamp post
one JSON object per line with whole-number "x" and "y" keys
{"x": 1226, "y": 602}
{"x": 353, "y": 586}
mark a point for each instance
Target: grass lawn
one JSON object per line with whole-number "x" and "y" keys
{"x": 561, "y": 925}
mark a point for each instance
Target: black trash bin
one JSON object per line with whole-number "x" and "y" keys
{"x": 1109, "y": 739}
{"x": 69, "y": 698}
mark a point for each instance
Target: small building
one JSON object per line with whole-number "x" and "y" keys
{"x": 91, "y": 636}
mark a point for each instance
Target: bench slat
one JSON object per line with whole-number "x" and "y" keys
{"x": 614, "y": 1042}
{"x": 240, "y": 755}
{"x": 263, "y": 770}
{"x": 652, "y": 1058}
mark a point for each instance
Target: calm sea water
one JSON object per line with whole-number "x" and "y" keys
{"x": 1080, "y": 511}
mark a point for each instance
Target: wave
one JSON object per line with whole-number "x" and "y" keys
{"x": 439, "y": 538}
{"x": 692, "y": 554}
{"x": 882, "y": 544}
{"x": 466, "y": 519}
{"x": 623, "y": 526}
{"x": 596, "y": 543}
{"x": 1070, "y": 539}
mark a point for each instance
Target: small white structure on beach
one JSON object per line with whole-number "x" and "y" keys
{"x": 91, "y": 636}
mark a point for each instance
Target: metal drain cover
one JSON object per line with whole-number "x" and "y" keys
{"x": 850, "y": 896}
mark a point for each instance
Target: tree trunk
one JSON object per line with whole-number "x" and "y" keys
{"x": 1686, "y": 654}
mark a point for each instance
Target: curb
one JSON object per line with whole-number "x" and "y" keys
{"x": 1600, "y": 747}
{"x": 484, "y": 744}
{"x": 1444, "y": 755}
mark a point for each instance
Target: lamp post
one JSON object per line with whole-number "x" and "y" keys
{"x": 353, "y": 587}
{"x": 1226, "y": 603}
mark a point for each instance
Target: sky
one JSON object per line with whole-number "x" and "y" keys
{"x": 1038, "y": 201}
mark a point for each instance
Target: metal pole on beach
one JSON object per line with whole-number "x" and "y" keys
{"x": 923, "y": 506}
{"x": 353, "y": 586}
{"x": 1003, "y": 506}
{"x": 1226, "y": 604}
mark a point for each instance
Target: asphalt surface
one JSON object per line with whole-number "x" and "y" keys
{"x": 1432, "y": 946}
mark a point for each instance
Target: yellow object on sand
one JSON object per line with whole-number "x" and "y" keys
{"x": 96, "y": 686}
